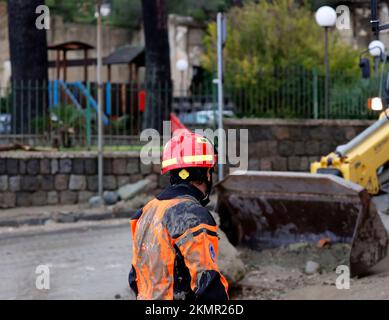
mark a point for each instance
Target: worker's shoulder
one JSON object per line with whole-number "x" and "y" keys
{"x": 186, "y": 215}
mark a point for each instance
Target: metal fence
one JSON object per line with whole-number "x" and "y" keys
{"x": 65, "y": 114}
{"x": 300, "y": 93}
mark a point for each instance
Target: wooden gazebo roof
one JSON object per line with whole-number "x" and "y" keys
{"x": 71, "y": 46}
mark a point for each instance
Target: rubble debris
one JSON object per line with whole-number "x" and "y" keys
{"x": 129, "y": 191}
{"x": 296, "y": 257}
{"x": 312, "y": 267}
{"x": 382, "y": 203}
{"x": 230, "y": 264}
{"x": 110, "y": 197}
{"x": 96, "y": 202}
{"x": 122, "y": 208}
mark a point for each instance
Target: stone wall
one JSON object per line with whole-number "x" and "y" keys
{"x": 291, "y": 145}
{"x": 36, "y": 179}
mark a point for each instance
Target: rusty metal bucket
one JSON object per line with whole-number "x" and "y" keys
{"x": 270, "y": 209}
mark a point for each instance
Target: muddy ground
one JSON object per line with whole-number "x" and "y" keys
{"x": 280, "y": 273}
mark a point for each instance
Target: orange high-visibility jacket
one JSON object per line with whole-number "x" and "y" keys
{"x": 175, "y": 249}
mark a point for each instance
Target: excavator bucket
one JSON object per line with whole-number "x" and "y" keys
{"x": 272, "y": 209}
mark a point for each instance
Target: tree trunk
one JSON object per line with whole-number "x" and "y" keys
{"x": 158, "y": 78}
{"x": 28, "y": 50}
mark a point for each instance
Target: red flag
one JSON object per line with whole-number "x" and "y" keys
{"x": 176, "y": 124}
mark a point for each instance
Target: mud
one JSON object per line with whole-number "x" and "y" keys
{"x": 295, "y": 256}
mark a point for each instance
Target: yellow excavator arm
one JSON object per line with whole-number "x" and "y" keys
{"x": 360, "y": 159}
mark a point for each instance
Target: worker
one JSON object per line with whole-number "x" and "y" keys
{"x": 175, "y": 241}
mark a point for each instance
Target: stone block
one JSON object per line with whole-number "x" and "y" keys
{"x": 52, "y": 197}
{"x": 285, "y": 148}
{"x": 90, "y": 166}
{"x": 260, "y": 133}
{"x": 281, "y": 132}
{"x": 65, "y": 165}
{"x": 133, "y": 166}
{"x": 312, "y": 147}
{"x": 107, "y": 166}
{"x": 61, "y": 182}
{"x": 157, "y": 168}
{"x": 39, "y": 198}
{"x": 253, "y": 164}
{"x": 31, "y": 183}
{"x": 14, "y": 183}
{"x": 145, "y": 168}
{"x": 12, "y": 166}
{"x": 299, "y": 148}
{"x": 84, "y": 196}
{"x": 110, "y": 183}
{"x": 123, "y": 180}
{"x": 2, "y": 166}
{"x": 33, "y": 167}
{"x": 92, "y": 183}
{"x": 119, "y": 166}
{"x": 68, "y": 197}
{"x": 319, "y": 133}
{"x": 294, "y": 163}
{"x": 78, "y": 166}
{"x": 304, "y": 164}
{"x": 135, "y": 177}
{"x": 47, "y": 182}
{"x": 279, "y": 164}
{"x": 350, "y": 133}
{"x": 325, "y": 148}
{"x": 7, "y": 200}
{"x": 54, "y": 166}
{"x": 3, "y": 183}
{"x": 265, "y": 165}
{"x": 77, "y": 182}
{"x": 45, "y": 166}
{"x": 23, "y": 199}
{"x": 22, "y": 166}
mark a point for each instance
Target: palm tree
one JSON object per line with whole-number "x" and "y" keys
{"x": 28, "y": 50}
{"x": 158, "y": 78}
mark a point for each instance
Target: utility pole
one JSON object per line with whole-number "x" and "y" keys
{"x": 99, "y": 100}
{"x": 221, "y": 38}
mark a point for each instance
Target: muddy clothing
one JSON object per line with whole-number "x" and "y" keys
{"x": 175, "y": 247}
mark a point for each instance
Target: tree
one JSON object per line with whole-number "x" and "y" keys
{"x": 28, "y": 51}
{"x": 274, "y": 56}
{"x": 279, "y": 34}
{"x": 158, "y": 78}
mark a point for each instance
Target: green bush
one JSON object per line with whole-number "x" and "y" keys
{"x": 271, "y": 51}
{"x": 278, "y": 34}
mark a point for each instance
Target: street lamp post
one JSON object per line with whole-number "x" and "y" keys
{"x": 102, "y": 10}
{"x": 377, "y": 50}
{"x": 326, "y": 17}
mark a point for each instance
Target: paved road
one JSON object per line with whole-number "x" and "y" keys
{"x": 85, "y": 262}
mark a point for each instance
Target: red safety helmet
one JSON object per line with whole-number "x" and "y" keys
{"x": 187, "y": 149}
